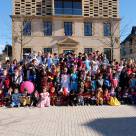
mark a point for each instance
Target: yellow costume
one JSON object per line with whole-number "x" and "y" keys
{"x": 25, "y": 100}
{"x": 113, "y": 101}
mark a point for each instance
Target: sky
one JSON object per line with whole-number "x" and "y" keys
{"x": 127, "y": 14}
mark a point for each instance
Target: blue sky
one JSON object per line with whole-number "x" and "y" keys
{"x": 127, "y": 13}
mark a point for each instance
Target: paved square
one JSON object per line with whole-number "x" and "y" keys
{"x": 69, "y": 121}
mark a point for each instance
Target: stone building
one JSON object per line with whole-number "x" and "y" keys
{"x": 59, "y": 26}
{"x": 128, "y": 45}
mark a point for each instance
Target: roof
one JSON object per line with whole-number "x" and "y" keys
{"x": 133, "y": 33}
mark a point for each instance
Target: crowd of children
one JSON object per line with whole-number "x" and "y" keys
{"x": 68, "y": 79}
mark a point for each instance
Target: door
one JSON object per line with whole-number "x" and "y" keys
{"x": 68, "y": 51}
{"x": 26, "y": 52}
{"x": 47, "y": 50}
{"x": 88, "y": 50}
{"x": 107, "y": 52}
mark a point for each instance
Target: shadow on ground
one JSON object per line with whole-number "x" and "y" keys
{"x": 114, "y": 126}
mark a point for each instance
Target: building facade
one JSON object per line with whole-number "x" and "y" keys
{"x": 59, "y": 26}
{"x": 128, "y": 46}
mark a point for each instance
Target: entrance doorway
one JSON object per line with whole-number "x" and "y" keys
{"x": 107, "y": 52}
{"x": 68, "y": 51}
{"x": 26, "y": 53}
{"x": 67, "y": 45}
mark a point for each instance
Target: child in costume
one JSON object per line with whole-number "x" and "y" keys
{"x": 25, "y": 99}
{"x": 106, "y": 96}
{"x": 73, "y": 99}
{"x": 80, "y": 94}
{"x": 44, "y": 99}
{"x": 106, "y": 84}
{"x": 44, "y": 80}
{"x": 93, "y": 83}
{"x": 17, "y": 79}
{"x": 74, "y": 80}
{"x": 57, "y": 83}
{"x": 16, "y": 98}
{"x": 87, "y": 84}
{"x": 112, "y": 91}
{"x": 100, "y": 81}
{"x": 64, "y": 96}
{"x": 99, "y": 96}
{"x": 5, "y": 81}
{"x": 53, "y": 96}
{"x": 114, "y": 81}
{"x": 113, "y": 99}
{"x": 35, "y": 98}
{"x": 87, "y": 63}
{"x": 80, "y": 100}
{"x": 1, "y": 98}
{"x": 32, "y": 70}
{"x": 93, "y": 98}
{"x": 8, "y": 97}
{"x": 81, "y": 87}
{"x": 65, "y": 80}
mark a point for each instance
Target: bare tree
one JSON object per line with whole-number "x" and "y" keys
{"x": 19, "y": 36}
{"x": 114, "y": 37}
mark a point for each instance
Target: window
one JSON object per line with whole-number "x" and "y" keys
{"x": 48, "y": 28}
{"x": 131, "y": 51}
{"x": 123, "y": 52}
{"x": 49, "y": 50}
{"x": 87, "y": 29}
{"x": 58, "y": 7}
{"x": 68, "y": 7}
{"x": 68, "y": 28}
{"x": 107, "y": 29}
{"x": 87, "y": 50}
{"x": 130, "y": 42}
{"x": 27, "y": 28}
{"x": 107, "y": 52}
{"x": 67, "y": 4}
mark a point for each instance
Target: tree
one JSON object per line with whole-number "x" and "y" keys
{"x": 18, "y": 28}
{"x": 113, "y": 39}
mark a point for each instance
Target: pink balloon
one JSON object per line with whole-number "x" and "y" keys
{"x": 27, "y": 85}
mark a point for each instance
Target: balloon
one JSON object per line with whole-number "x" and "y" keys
{"x": 27, "y": 85}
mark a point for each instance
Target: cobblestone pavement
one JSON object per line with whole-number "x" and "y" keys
{"x": 69, "y": 121}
